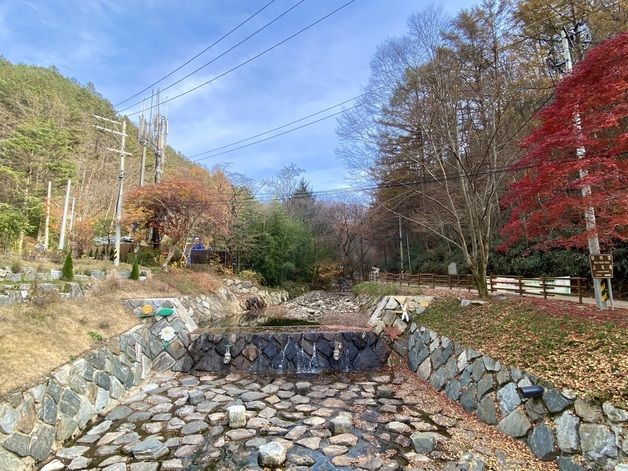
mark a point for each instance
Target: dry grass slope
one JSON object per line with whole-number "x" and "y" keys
{"x": 588, "y": 356}
{"x": 35, "y": 340}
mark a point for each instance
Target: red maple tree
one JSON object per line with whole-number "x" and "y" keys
{"x": 547, "y": 201}
{"x": 184, "y": 205}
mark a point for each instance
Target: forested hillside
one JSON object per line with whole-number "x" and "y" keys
{"x": 46, "y": 134}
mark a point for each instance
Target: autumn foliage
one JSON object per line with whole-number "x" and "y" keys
{"x": 547, "y": 202}
{"x": 187, "y": 204}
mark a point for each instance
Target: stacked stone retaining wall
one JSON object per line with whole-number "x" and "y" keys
{"x": 558, "y": 425}
{"x": 289, "y": 353}
{"x": 36, "y": 421}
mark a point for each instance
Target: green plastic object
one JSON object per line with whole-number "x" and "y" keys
{"x": 164, "y": 311}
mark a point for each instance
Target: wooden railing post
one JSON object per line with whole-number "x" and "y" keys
{"x": 544, "y": 287}
{"x": 520, "y": 287}
{"x": 449, "y": 280}
{"x": 419, "y": 279}
{"x": 490, "y": 277}
{"x": 579, "y": 290}
{"x": 433, "y": 281}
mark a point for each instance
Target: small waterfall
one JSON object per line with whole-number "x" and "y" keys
{"x": 305, "y": 363}
{"x": 280, "y": 362}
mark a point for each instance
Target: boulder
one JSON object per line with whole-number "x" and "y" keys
{"x": 340, "y": 424}
{"x": 423, "y": 442}
{"x": 237, "y": 416}
{"x": 541, "y": 442}
{"x": 272, "y": 455}
{"x": 516, "y": 424}
{"x": 567, "y": 432}
{"x": 508, "y": 398}
{"x": 597, "y": 442}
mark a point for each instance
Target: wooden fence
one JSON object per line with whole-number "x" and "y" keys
{"x": 544, "y": 286}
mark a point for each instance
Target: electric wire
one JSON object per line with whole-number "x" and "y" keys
{"x": 501, "y": 48}
{"x": 224, "y": 53}
{"x": 215, "y": 149}
{"x": 267, "y": 197}
{"x": 224, "y": 36}
{"x": 276, "y": 135}
{"x": 256, "y": 56}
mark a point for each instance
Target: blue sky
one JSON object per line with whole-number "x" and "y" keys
{"x": 123, "y": 46}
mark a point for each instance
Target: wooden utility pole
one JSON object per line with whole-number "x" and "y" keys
{"x": 589, "y": 212}
{"x": 47, "y": 225}
{"x": 400, "y": 251}
{"x": 64, "y": 218}
{"x": 408, "y": 253}
{"x": 117, "y": 129}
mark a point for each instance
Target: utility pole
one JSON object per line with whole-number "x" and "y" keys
{"x": 589, "y": 212}
{"x": 160, "y": 131}
{"x": 47, "y": 226}
{"x": 72, "y": 217}
{"x": 152, "y": 134}
{"x": 117, "y": 129}
{"x": 408, "y": 252}
{"x": 142, "y": 137}
{"x": 64, "y": 218}
{"x": 400, "y": 251}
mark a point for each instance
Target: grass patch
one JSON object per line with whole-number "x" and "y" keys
{"x": 188, "y": 280}
{"x": 294, "y": 289}
{"x": 572, "y": 352}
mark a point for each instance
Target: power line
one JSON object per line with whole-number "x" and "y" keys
{"x": 276, "y": 135}
{"x": 279, "y": 127}
{"x": 224, "y": 36}
{"x": 502, "y": 48}
{"x": 224, "y": 53}
{"x": 427, "y": 181}
{"x": 302, "y": 30}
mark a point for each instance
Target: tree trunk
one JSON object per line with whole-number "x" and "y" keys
{"x": 479, "y": 279}
{"x": 171, "y": 252}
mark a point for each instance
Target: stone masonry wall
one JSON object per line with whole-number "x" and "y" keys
{"x": 234, "y": 298}
{"x": 289, "y": 353}
{"x": 558, "y": 425}
{"x": 39, "y": 420}
{"x": 32, "y": 286}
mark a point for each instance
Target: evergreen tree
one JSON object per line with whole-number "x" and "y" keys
{"x": 135, "y": 271}
{"x": 67, "y": 272}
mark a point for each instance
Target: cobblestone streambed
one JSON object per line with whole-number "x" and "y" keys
{"x": 377, "y": 420}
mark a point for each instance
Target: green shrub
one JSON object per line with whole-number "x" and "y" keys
{"x": 294, "y": 288}
{"x": 67, "y": 272}
{"x": 95, "y": 336}
{"x": 148, "y": 256}
{"x": 16, "y": 265}
{"x": 251, "y": 275}
{"x": 135, "y": 271}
